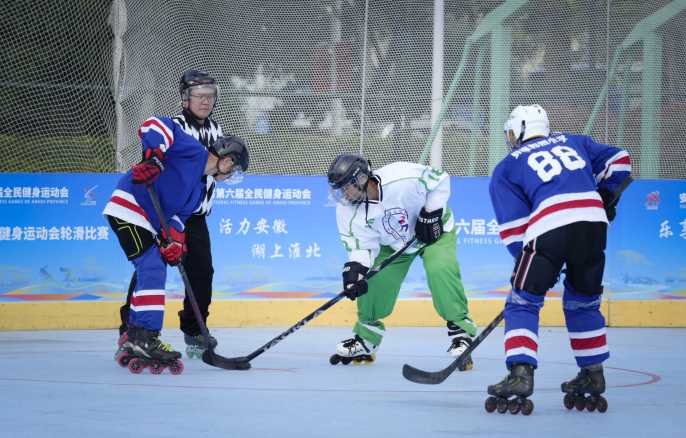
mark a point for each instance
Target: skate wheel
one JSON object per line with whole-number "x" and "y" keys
{"x": 590, "y": 407}
{"x": 189, "y": 352}
{"x": 579, "y": 406}
{"x": 503, "y": 406}
{"x": 528, "y": 408}
{"x": 358, "y": 360}
{"x": 135, "y": 366}
{"x": 490, "y": 404}
{"x": 602, "y": 404}
{"x": 176, "y": 367}
{"x": 569, "y": 404}
{"x": 156, "y": 367}
{"x": 335, "y": 359}
{"x": 470, "y": 366}
{"x": 123, "y": 359}
{"x": 346, "y": 360}
{"x": 371, "y": 359}
{"x": 514, "y": 409}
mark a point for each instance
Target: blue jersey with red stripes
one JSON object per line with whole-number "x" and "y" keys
{"x": 179, "y": 187}
{"x": 550, "y": 182}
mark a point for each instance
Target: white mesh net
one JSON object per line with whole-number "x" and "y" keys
{"x": 80, "y": 77}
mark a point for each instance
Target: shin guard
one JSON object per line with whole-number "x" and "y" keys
{"x": 586, "y": 326}
{"x": 521, "y": 327}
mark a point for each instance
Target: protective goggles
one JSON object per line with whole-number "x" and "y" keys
{"x": 205, "y": 92}
{"x": 352, "y": 193}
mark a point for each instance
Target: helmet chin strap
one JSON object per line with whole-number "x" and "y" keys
{"x": 219, "y": 172}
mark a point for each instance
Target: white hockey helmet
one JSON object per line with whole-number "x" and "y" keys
{"x": 526, "y": 122}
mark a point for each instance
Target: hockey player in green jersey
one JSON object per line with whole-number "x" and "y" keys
{"x": 378, "y": 213}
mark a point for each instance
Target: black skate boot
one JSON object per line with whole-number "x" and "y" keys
{"x": 519, "y": 382}
{"x": 355, "y": 350}
{"x": 196, "y": 345}
{"x": 124, "y": 353}
{"x": 591, "y": 381}
{"x": 151, "y": 352}
{"x": 461, "y": 341}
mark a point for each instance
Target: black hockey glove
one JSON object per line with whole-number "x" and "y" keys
{"x": 429, "y": 226}
{"x": 610, "y": 211}
{"x": 353, "y": 284}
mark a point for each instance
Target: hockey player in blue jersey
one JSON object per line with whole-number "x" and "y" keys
{"x": 175, "y": 164}
{"x": 549, "y": 195}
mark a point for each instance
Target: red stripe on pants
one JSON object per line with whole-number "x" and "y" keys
{"x": 588, "y": 343}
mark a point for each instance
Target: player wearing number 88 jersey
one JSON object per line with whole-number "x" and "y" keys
{"x": 548, "y": 195}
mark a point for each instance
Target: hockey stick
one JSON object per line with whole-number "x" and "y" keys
{"x": 615, "y": 196}
{"x": 209, "y": 356}
{"x": 333, "y": 301}
{"x": 433, "y": 378}
{"x": 418, "y": 376}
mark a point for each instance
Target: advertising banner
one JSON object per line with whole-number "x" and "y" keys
{"x": 275, "y": 237}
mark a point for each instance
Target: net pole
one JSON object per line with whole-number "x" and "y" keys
{"x": 364, "y": 74}
{"x": 607, "y": 74}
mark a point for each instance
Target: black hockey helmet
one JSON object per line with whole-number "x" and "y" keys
{"x": 349, "y": 174}
{"x": 233, "y": 147}
{"x": 196, "y": 78}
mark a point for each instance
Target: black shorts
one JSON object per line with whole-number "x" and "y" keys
{"x": 580, "y": 245}
{"x": 134, "y": 240}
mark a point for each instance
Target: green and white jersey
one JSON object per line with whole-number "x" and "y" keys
{"x": 405, "y": 188}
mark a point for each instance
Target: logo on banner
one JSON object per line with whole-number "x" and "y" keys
{"x": 653, "y": 200}
{"x": 396, "y": 224}
{"x": 89, "y": 197}
{"x": 331, "y": 201}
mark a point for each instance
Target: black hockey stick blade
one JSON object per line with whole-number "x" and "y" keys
{"x": 208, "y": 356}
{"x": 235, "y": 363}
{"x": 434, "y": 378}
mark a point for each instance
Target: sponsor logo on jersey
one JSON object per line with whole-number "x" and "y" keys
{"x": 653, "y": 200}
{"x": 396, "y": 223}
{"x": 89, "y": 197}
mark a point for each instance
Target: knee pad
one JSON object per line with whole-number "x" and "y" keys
{"x": 534, "y": 272}
{"x": 573, "y": 300}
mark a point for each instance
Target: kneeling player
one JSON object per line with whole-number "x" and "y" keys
{"x": 175, "y": 164}
{"x": 378, "y": 213}
{"x": 549, "y": 195}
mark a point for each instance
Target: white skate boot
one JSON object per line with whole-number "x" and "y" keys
{"x": 461, "y": 341}
{"x": 355, "y": 350}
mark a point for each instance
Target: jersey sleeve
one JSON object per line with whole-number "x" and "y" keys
{"x": 512, "y": 211}
{"x": 438, "y": 189}
{"x": 157, "y": 132}
{"x": 361, "y": 243}
{"x": 611, "y": 165}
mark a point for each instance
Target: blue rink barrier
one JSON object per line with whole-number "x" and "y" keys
{"x": 275, "y": 237}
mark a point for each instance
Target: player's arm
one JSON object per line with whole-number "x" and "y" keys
{"x": 512, "y": 212}
{"x": 435, "y": 184}
{"x": 157, "y": 136}
{"x": 611, "y": 166}
{"x": 362, "y": 246}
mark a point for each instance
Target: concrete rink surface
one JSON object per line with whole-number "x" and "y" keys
{"x": 67, "y": 384}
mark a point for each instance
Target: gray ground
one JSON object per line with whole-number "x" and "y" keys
{"x": 66, "y": 383}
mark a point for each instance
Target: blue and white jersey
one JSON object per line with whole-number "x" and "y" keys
{"x": 551, "y": 182}
{"x": 179, "y": 187}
